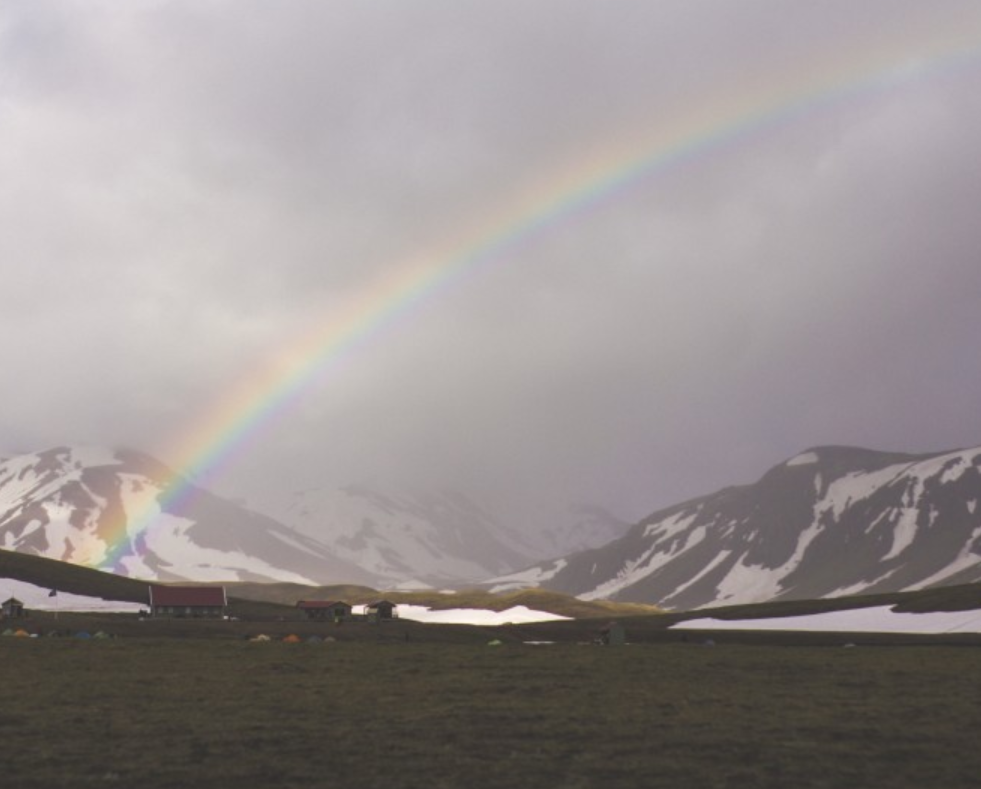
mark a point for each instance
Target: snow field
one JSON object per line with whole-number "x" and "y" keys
{"x": 878, "y": 619}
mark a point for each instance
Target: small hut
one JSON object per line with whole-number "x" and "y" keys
{"x": 613, "y": 635}
{"x": 325, "y": 610}
{"x": 380, "y": 610}
{"x": 11, "y": 609}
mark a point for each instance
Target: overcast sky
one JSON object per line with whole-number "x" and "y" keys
{"x": 188, "y": 187}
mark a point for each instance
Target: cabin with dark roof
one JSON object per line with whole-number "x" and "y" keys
{"x": 188, "y": 601}
{"x": 11, "y": 609}
{"x": 329, "y": 610}
{"x": 380, "y": 610}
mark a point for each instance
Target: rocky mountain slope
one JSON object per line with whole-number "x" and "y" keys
{"x": 100, "y": 508}
{"x": 831, "y": 521}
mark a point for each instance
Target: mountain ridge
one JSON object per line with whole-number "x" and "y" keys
{"x": 829, "y": 521}
{"x": 103, "y": 507}
{"x": 85, "y": 505}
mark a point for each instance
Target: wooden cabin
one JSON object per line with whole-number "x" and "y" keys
{"x": 188, "y": 601}
{"x": 325, "y": 610}
{"x": 11, "y": 609}
{"x": 380, "y": 610}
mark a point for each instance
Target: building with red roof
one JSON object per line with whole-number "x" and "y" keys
{"x": 188, "y": 601}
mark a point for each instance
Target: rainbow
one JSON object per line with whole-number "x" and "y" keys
{"x": 214, "y": 440}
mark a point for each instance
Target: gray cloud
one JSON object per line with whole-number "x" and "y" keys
{"x": 186, "y": 188}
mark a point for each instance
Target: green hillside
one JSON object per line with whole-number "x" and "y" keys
{"x": 66, "y": 577}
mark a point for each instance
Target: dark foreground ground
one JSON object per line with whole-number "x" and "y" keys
{"x": 144, "y": 713}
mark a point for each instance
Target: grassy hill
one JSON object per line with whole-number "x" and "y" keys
{"x": 66, "y": 577}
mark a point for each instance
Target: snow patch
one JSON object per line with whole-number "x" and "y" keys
{"x": 723, "y": 555}
{"x": 533, "y": 576}
{"x": 963, "y": 461}
{"x": 474, "y": 616}
{"x": 40, "y": 599}
{"x": 755, "y": 583}
{"x": 667, "y": 528}
{"x": 861, "y": 586}
{"x": 804, "y": 459}
{"x": 904, "y": 532}
{"x": 856, "y": 486}
{"x": 965, "y": 559}
{"x": 879, "y": 619}
{"x": 748, "y": 583}
{"x": 649, "y": 562}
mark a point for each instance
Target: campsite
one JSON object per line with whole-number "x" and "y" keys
{"x": 407, "y": 704}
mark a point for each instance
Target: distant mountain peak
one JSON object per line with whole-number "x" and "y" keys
{"x": 436, "y": 537}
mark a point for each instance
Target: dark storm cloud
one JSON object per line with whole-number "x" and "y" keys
{"x": 187, "y": 187}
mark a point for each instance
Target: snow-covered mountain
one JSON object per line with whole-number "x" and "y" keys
{"x": 101, "y": 508}
{"x": 427, "y": 539}
{"x": 830, "y": 521}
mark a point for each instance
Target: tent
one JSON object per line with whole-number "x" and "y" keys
{"x": 7, "y": 632}
{"x": 21, "y": 634}
{"x": 101, "y": 635}
{"x": 292, "y": 638}
{"x": 261, "y": 637}
{"x": 83, "y": 634}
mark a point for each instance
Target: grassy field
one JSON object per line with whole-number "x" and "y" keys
{"x": 209, "y": 712}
